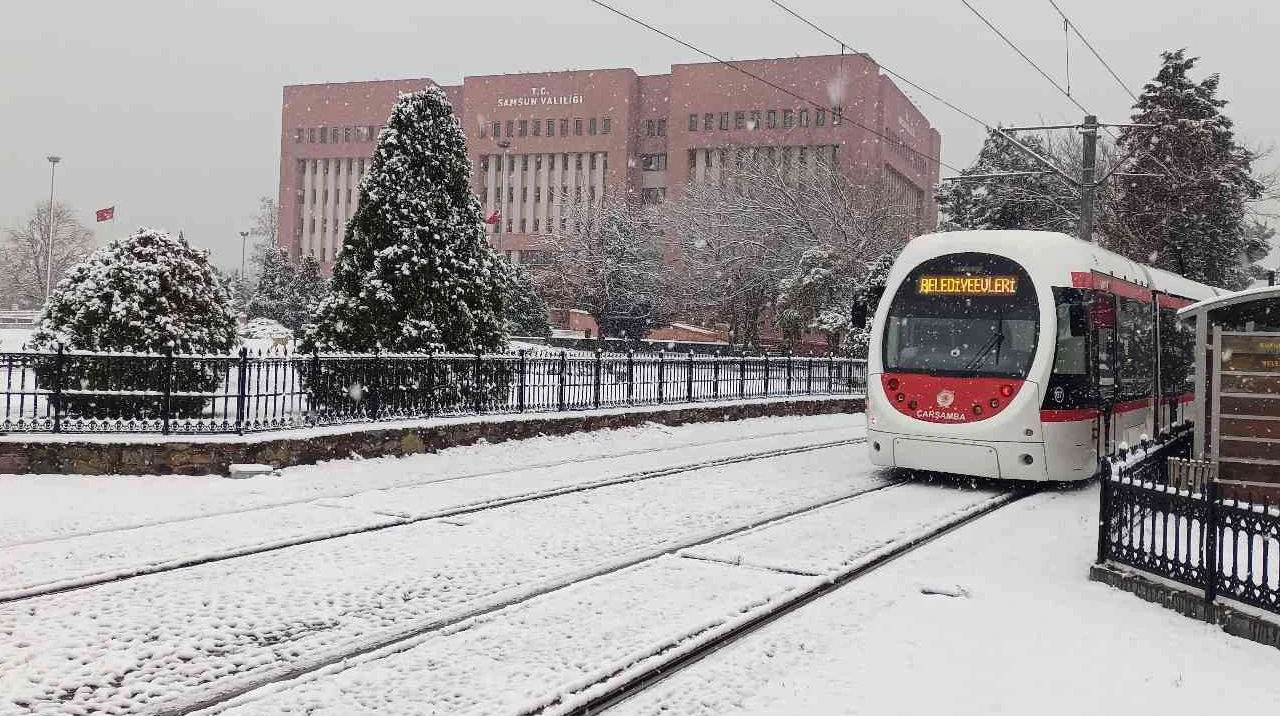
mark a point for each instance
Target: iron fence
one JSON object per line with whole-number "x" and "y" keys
{"x": 83, "y": 392}
{"x": 1223, "y": 540}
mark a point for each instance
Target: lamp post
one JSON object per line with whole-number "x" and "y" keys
{"x": 502, "y": 194}
{"x": 244, "y": 239}
{"x": 48, "y": 265}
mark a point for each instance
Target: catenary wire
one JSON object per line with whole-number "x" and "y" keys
{"x": 762, "y": 80}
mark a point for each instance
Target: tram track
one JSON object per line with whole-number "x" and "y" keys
{"x": 34, "y": 592}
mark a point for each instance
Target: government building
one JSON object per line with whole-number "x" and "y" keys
{"x": 565, "y": 137}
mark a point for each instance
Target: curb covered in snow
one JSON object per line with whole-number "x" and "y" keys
{"x": 204, "y": 454}
{"x": 1234, "y": 621}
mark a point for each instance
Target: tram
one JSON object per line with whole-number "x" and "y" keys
{"x": 1024, "y": 355}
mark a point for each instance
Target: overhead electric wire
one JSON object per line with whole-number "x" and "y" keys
{"x": 762, "y": 80}
{"x": 886, "y": 70}
{"x": 1080, "y": 35}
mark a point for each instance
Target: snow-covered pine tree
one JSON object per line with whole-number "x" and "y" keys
{"x": 526, "y": 308}
{"x": 1041, "y": 203}
{"x": 1191, "y": 219}
{"x": 308, "y": 291}
{"x": 148, "y": 292}
{"x": 415, "y": 271}
{"x": 275, "y": 285}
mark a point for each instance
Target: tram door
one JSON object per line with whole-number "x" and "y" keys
{"x": 1103, "y": 351}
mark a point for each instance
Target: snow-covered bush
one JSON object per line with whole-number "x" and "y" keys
{"x": 148, "y": 293}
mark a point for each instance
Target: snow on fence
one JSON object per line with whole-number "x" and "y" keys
{"x": 1224, "y": 541}
{"x": 125, "y": 392}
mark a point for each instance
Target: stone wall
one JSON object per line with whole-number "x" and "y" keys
{"x": 131, "y": 455}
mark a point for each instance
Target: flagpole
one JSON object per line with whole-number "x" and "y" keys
{"x": 48, "y": 264}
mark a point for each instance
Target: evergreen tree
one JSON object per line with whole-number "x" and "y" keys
{"x": 275, "y": 285}
{"x": 415, "y": 271}
{"x": 146, "y": 293}
{"x": 307, "y": 291}
{"x": 1191, "y": 220}
{"x": 1257, "y": 246}
{"x": 526, "y": 313}
{"x": 1042, "y": 203}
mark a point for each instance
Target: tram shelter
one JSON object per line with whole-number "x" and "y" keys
{"x": 1236, "y": 413}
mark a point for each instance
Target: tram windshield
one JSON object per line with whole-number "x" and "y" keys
{"x": 966, "y": 314}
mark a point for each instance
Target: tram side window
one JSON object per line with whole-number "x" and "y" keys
{"x": 1134, "y": 342}
{"x": 1071, "y": 357}
{"x": 1177, "y": 361}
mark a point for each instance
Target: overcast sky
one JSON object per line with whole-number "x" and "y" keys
{"x": 170, "y": 109}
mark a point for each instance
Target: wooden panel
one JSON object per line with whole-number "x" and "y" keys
{"x": 1251, "y": 384}
{"x": 1243, "y": 427}
{"x": 1250, "y": 406}
{"x": 1251, "y": 450}
{"x": 1249, "y": 473}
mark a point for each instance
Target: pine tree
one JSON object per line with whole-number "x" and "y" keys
{"x": 415, "y": 271}
{"x": 1042, "y": 203}
{"x": 275, "y": 285}
{"x": 308, "y": 290}
{"x": 146, "y": 293}
{"x": 526, "y": 308}
{"x": 1190, "y": 220}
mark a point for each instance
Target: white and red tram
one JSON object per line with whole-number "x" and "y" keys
{"x": 1005, "y": 354}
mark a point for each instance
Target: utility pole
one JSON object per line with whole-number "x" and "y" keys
{"x": 244, "y": 239}
{"x": 1088, "y": 170}
{"x": 48, "y": 264}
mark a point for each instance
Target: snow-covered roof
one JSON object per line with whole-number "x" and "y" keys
{"x": 1257, "y": 293}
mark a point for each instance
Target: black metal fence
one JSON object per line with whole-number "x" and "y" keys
{"x": 1224, "y": 541}
{"x": 100, "y": 392}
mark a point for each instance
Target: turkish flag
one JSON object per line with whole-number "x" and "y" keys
{"x": 494, "y": 218}
{"x": 106, "y": 214}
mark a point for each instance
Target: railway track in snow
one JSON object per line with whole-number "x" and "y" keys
{"x": 394, "y": 521}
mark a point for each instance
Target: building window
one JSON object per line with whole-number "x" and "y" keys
{"x": 537, "y": 160}
{"x": 484, "y": 131}
{"x": 509, "y": 225}
{"x": 577, "y": 161}
{"x": 535, "y": 224}
{"x": 604, "y": 125}
{"x": 693, "y": 161}
{"x": 693, "y": 123}
{"x": 346, "y": 135}
{"x": 537, "y": 195}
{"x": 524, "y": 128}
{"x": 324, "y": 136}
{"x": 650, "y": 128}
{"x": 739, "y": 120}
{"x": 819, "y": 117}
{"x": 537, "y": 127}
{"x": 564, "y": 222}
{"x": 497, "y": 130}
{"x": 591, "y": 195}
{"x": 836, "y": 115}
{"x": 708, "y": 121}
{"x": 788, "y": 119}
{"x": 804, "y": 118}
{"x": 524, "y": 162}
{"x": 652, "y": 196}
{"x": 577, "y": 127}
{"x": 662, "y": 127}
{"x": 653, "y": 162}
{"x": 297, "y": 135}
{"x": 593, "y": 161}
{"x": 564, "y": 161}
{"x": 755, "y": 119}
{"x": 577, "y": 194}
{"x": 511, "y": 194}
{"x": 564, "y": 191}
{"x": 522, "y": 226}
{"x": 564, "y": 127}
{"x": 604, "y": 161}
{"x": 772, "y": 118}
{"x": 497, "y": 228}
{"x": 724, "y": 121}
{"x": 311, "y": 135}
{"x": 524, "y": 195}
{"x": 551, "y": 128}
{"x": 591, "y": 126}
{"x": 334, "y": 135}
{"x": 511, "y": 126}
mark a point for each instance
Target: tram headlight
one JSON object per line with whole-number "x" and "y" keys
{"x": 1006, "y": 391}
{"x": 899, "y": 397}
{"x": 893, "y": 384}
{"x": 977, "y": 410}
{"x": 995, "y": 403}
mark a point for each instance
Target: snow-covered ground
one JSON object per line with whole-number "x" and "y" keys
{"x": 12, "y": 339}
{"x": 1032, "y": 636}
{"x": 176, "y": 637}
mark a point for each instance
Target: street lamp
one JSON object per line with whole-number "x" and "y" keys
{"x": 48, "y": 265}
{"x": 244, "y": 239}
{"x": 502, "y": 195}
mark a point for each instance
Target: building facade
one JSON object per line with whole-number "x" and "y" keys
{"x": 541, "y": 142}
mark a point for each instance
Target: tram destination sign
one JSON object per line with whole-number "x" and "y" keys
{"x": 967, "y": 285}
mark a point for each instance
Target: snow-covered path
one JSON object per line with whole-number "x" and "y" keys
{"x": 163, "y": 640}
{"x": 42, "y": 507}
{"x": 555, "y": 650}
{"x": 1033, "y": 635}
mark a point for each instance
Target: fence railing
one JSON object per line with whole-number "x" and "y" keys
{"x": 1222, "y": 540}
{"x": 119, "y": 392}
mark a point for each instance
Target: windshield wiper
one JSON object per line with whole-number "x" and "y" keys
{"x": 994, "y": 344}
